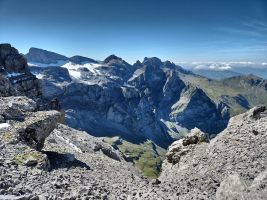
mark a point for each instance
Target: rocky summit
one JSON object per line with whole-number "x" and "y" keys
{"x": 41, "y": 157}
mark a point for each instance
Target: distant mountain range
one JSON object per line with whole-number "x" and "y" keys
{"x": 151, "y": 99}
{"x": 146, "y": 100}
{"x": 216, "y": 74}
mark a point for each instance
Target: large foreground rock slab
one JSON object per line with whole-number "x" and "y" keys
{"x": 231, "y": 166}
{"x": 38, "y": 127}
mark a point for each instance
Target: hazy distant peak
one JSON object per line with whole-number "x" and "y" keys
{"x": 115, "y": 60}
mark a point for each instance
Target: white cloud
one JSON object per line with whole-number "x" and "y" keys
{"x": 224, "y": 65}
{"x": 213, "y": 66}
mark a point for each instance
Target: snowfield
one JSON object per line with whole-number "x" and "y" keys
{"x": 92, "y": 67}
{"x": 73, "y": 68}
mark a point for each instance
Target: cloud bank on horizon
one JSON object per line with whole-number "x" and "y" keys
{"x": 222, "y": 66}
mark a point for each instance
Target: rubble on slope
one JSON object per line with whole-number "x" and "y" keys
{"x": 36, "y": 150}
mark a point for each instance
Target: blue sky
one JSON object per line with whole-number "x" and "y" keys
{"x": 176, "y": 30}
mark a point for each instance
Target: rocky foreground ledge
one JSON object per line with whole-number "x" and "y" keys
{"x": 40, "y": 158}
{"x": 230, "y": 166}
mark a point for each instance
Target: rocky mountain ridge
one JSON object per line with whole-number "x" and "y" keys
{"x": 150, "y": 100}
{"x": 147, "y": 100}
{"x": 37, "y": 149}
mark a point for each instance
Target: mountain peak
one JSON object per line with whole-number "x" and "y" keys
{"x": 152, "y": 61}
{"x": 169, "y": 64}
{"x": 35, "y": 49}
{"x": 137, "y": 63}
{"x": 43, "y": 56}
{"x": 112, "y": 58}
{"x": 81, "y": 59}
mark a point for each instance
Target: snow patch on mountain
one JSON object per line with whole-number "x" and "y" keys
{"x": 92, "y": 67}
{"x": 39, "y": 76}
{"x": 75, "y": 74}
{"x": 137, "y": 73}
{"x": 13, "y": 74}
{"x": 4, "y": 125}
{"x": 75, "y": 70}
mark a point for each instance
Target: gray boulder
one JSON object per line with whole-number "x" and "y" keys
{"x": 183, "y": 146}
{"x": 38, "y": 126}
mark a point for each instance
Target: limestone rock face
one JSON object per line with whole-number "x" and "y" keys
{"x": 80, "y": 141}
{"x": 15, "y": 77}
{"x": 194, "y": 102}
{"x": 11, "y": 60}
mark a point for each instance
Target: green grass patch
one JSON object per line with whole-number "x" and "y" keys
{"x": 147, "y": 156}
{"x": 21, "y": 158}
